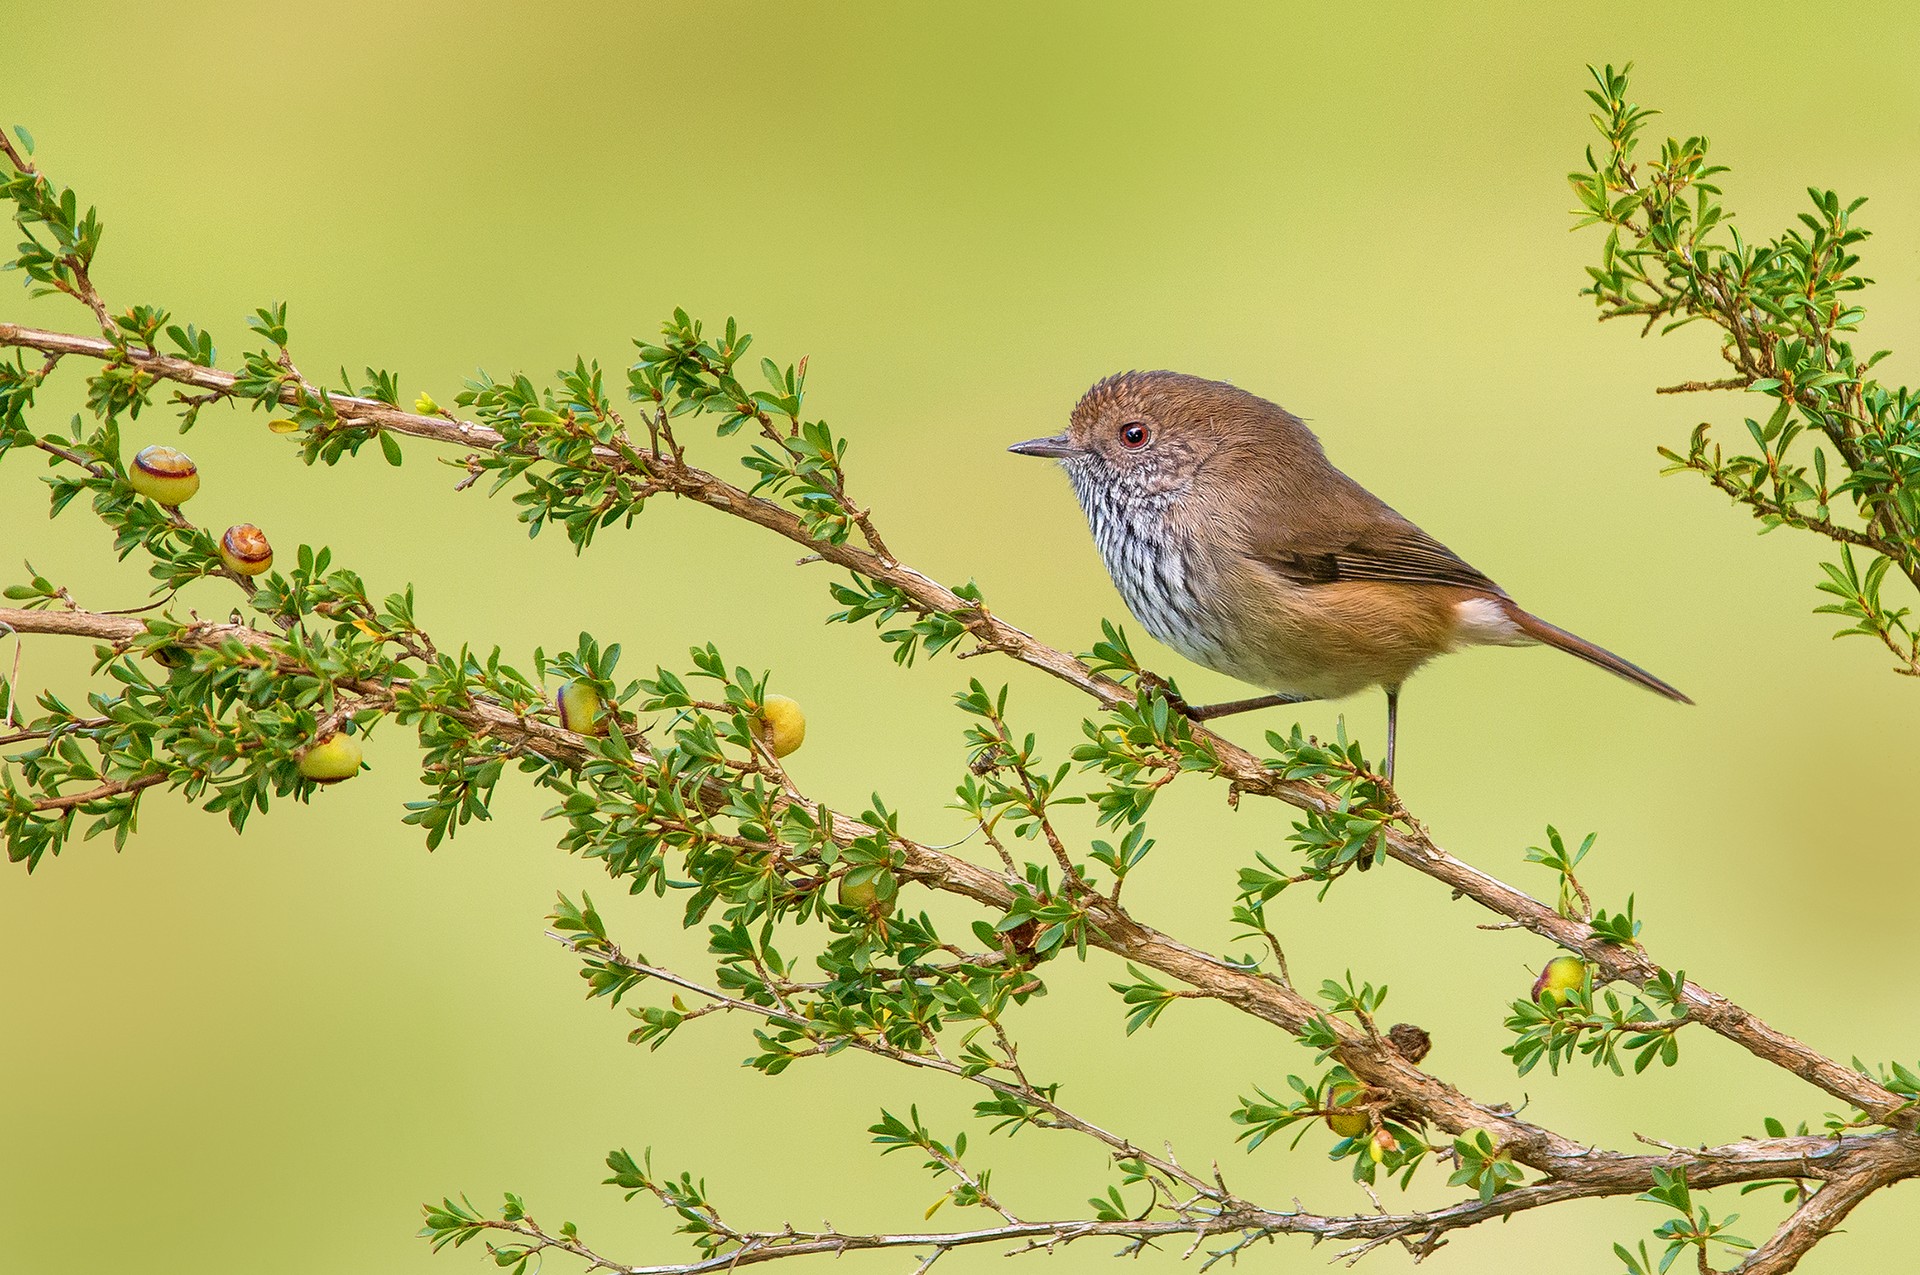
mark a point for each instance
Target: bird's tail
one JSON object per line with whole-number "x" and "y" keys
{"x": 1540, "y": 631}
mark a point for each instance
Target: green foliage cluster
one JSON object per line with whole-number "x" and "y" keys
{"x": 1836, "y": 452}
{"x": 676, "y": 792}
{"x": 1691, "y": 1227}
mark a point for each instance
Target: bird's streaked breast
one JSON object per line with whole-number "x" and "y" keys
{"x": 1158, "y": 570}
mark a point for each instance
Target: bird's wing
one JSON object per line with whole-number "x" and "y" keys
{"x": 1388, "y": 549}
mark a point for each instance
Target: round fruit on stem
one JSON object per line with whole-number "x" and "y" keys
{"x": 164, "y": 475}
{"x": 579, "y": 708}
{"x": 1343, "y": 1118}
{"x": 245, "y": 550}
{"x": 1562, "y": 977}
{"x": 781, "y": 724}
{"x": 332, "y": 759}
{"x": 873, "y": 895}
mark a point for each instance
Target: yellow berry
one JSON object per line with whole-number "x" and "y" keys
{"x": 1382, "y": 1144}
{"x": 1563, "y": 976}
{"x": 872, "y": 895}
{"x": 245, "y": 549}
{"x": 781, "y": 724}
{"x": 580, "y": 710}
{"x": 1348, "y": 1124}
{"x": 165, "y": 475}
{"x": 333, "y": 759}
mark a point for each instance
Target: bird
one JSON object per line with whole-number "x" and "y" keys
{"x": 1234, "y": 541}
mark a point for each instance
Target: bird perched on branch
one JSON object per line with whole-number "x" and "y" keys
{"x": 1235, "y": 542}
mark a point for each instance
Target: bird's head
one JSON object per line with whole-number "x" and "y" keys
{"x": 1155, "y": 433}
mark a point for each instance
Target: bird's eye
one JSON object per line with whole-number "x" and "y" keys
{"x": 1133, "y": 436}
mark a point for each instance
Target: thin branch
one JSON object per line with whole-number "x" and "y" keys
{"x": 1693, "y": 387}
{"x": 112, "y": 788}
{"x": 1766, "y": 507}
{"x": 1872, "y": 1158}
{"x": 878, "y": 1046}
{"x": 71, "y": 457}
{"x": 1816, "y": 1218}
{"x": 85, "y": 292}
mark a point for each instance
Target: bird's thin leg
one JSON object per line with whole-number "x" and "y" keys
{"x": 1372, "y": 851}
{"x": 1207, "y": 712}
{"x": 1393, "y": 724}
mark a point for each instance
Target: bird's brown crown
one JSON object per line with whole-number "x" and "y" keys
{"x": 1175, "y": 403}
{"x": 1160, "y": 394}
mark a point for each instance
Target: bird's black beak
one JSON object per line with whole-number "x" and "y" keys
{"x": 1057, "y": 447}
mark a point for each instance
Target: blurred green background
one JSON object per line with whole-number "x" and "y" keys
{"x": 224, "y": 1053}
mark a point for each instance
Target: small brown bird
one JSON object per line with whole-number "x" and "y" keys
{"x": 1237, "y": 544}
